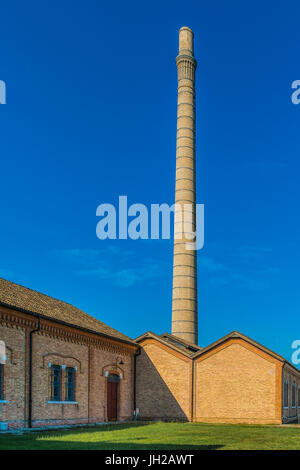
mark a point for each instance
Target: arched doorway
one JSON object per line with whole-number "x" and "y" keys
{"x": 112, "y": 397}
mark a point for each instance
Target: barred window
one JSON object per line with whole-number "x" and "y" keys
{"x": 286, "y": 394}
{"x": 294, "y": 395}
{"x": 1, "y": 381}
{"x": 70, "y": 384}
{"x": 55, "y": 383}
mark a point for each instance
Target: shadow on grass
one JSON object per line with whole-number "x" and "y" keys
{"x": 109, "y": 446}
{"x": 94, "y": 439}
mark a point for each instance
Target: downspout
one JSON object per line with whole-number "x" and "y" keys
{"x": 192, "y": 391}
{"x": 89, "y": 379}
{"x": 30, "y": 372}
{"x": 137, "y": 353}
{"x": 282, "y": 391}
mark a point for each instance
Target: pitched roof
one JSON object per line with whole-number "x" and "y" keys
{"x": 181, "y": 342}
{"x": 28, "y": 300}
{"x": 171, "y": 341}
{"x": 191, "y": 351}
{"x": 238, "y": 335}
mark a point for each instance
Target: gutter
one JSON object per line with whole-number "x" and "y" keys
{"x": 89, "y": 381}
{"x": 282, "y": 391}
{"x": 30, "y": 372}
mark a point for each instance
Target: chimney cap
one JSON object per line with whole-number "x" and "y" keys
{"x": 187, "y": 28}
{"x": 186, "y": 41}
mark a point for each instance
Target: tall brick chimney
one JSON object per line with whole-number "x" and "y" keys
{"x": 184, "y": 306}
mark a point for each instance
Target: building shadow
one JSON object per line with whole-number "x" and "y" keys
{"x": 86, "y": 439}
{"x": 154, "y": 398}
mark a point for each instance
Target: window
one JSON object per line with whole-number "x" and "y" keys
{"x": 1, "y": 381}
{"x": 294, "y": 395}
{"x": 70, "y": 384}
{"x": 55, "y": 382}
{"x": 298, "y": 397}
{"x": 286, "y": 394}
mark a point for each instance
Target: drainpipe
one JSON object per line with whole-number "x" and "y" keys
{"x": 282, "y": 392}
{"x": 192, "y": 391}
{"x": 89, "y": 380}
{"x": 30, "y": 372}
{"x": 137, "y": 353}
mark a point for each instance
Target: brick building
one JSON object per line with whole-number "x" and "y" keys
{"x": 64, "y": 367}
{"x": 61, "y": 366}
{"x": 233, "y": 380}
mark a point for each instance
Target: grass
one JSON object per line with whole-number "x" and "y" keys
{"x": 159, "y": 436}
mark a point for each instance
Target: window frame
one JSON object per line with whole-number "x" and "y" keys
{"x": 68, "y": 382}
{"x": 286, "y": 400}
{"x": 294, "y": 394}
{"x": 52, "y": 386}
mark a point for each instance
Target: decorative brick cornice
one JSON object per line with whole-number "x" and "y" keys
{"x": 65, "y": 332}
{"x": 186, "y": 66}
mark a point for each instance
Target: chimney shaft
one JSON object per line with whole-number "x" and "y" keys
{"x": 184, "y": 306}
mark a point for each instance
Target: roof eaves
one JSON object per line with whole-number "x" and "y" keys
{"x": 237, "y": 334}
{"x": 61, "y": 322}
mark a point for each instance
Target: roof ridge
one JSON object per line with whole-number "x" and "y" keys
{"x": 180, "y": 340}
{"x": 238, "y": 334}
{"x": 182, "y": 350}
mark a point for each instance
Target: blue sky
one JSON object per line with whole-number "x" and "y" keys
{"x": 91, "y": 115}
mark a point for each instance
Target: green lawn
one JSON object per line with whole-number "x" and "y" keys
{"x": 159, "y": 436}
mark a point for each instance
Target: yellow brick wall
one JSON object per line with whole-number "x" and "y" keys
{"x": 14, "y": 375}
{"x": 91, "y": 404}
{"x": 61, "y": 353}
{"x": 238, "y": 383}
{"x": 91, "y": 382}
{"x": 101, "y": 359}
{"x": 163, "y": 383}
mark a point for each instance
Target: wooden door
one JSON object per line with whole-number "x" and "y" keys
{"x": 112, "y": 397}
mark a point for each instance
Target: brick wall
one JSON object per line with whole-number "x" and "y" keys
{"x": 163, "y": 383}
{"x": 234, "y": 382}
{"x": 92, "y": 363}
{"x": 14, "y": 376}
{"x": 237, "y": 382}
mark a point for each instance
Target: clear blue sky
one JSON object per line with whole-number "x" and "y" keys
{"x": 91, "y": 115}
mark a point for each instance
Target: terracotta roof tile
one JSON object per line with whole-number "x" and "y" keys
{"x": 17, "y": 296}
